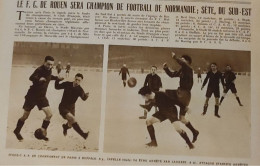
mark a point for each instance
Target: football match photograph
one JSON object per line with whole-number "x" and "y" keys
{"x": 178, "y": 101}
{"x": 55, "y": 97}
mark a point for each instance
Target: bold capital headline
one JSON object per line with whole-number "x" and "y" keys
{"x": 133, "y": 7}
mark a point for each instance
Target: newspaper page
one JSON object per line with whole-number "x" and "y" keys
{"x": 166, "y": 82}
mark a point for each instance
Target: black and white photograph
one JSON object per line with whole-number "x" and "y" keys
{"x": 178, "y": 101}
{"x": 55, "y": 96}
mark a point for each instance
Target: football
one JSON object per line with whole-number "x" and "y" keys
{"x": 40, "y": 134}
{"x": 131, "y": 82}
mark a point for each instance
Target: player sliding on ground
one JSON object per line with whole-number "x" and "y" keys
{"x": 36, "y": 96}
{"x": 166, "y": 110}
{"x": 72, "y": 90}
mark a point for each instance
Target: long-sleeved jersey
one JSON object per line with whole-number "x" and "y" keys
{"x": 229, "y": 77}
{"x": 124, "y": 71}
{"x": 39, "y": 88}
{"x": 185, "y": 74}
{"x": 153, "y": 82}
{"x": 213, "y": 79}
{"x": 71, "y": 93}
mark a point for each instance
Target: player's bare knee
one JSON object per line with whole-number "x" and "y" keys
{"x": 25, "y": 115}
{"x": 148, "y": 122}
{"x": 183, "y": 119}
{"x": 70, "y": 118}
{"x": 217, "y": 101}
{"x": 48, "y": 116}
{"x": 177, "y": 127}
{"x": 206, "y": 102}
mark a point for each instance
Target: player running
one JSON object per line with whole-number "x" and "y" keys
{"x": 124, "y": 71}
{"x": 182, "y": 95}
{"x": 213, "y": 76}
{"x": 68, "y": 67}
{"x": 59, "y": 68}
{"x": 153, "y": 81}
{"x": 229, "y": 78}
{"x": 167, "y": 110}
{"x": 36, "y": 95}
{"x": 72, "y": 90}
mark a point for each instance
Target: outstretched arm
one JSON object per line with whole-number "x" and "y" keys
{"x": 180, "y": 61}
{"x": 58, "y": 85}
{"x": 170, "y": 73}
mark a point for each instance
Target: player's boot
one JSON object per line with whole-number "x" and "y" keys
{"x": 79, "y": 131}
{"x": 195, "y": 136}
{"x": 85, "y": 135}
{"x": 238, "y": 100}
{"x": 216, "y": 111}
{"x": 45, "y": 138}
{"x": 17, "y": 130}
{"x": 204, "y": 110}
{"x": 65, "y": 128}
{"x": 187, "y": 140}
{"x": 194, "y": 132}
{"x": 18, "y": 135}
{"x": 153, "y": 143}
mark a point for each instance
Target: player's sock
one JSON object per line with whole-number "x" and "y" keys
{"x": 205, "y": 109}
{"x": 45, "y": 124}
{"x": 124, "y": 84}
{"x": 194, "y": 131}
{"x": 222, "y": 98}
{"x": 79, "y": 130}
{"x": 216, "y": 111}
{"x": 186, "y": 138}
{"x": 18, "y": 128}
{"x": 151, "y": 132}
{"x": 238, "y": 100}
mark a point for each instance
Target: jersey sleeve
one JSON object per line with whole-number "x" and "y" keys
{"x": 146, "y": 81}
{"x": 83, "y": 95}
{"x": 221, "y": 79}
{"x": 233, "y": 76}
{"x": 60, "y": 86}
{"x": 54, "y": 77}
{"x": 160, "y": 82}
{"x": 35, "y": 76}
{"x": 171, "y": 74}
{"x": 206, "y": 79}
